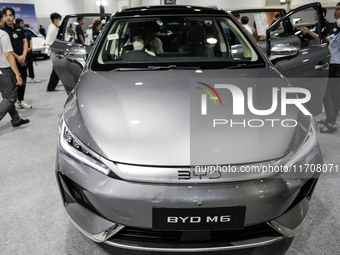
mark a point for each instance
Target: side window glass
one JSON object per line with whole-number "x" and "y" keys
{"x": 71, "y": 34}
{"x": 70, "y": 29}
{"x": 306, "y": 27}
{"x": 237, "y": 44}
{"x": 31, "y": 33}
{"x": 110, "y": 51}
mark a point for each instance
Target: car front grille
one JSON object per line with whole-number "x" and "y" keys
{"x": 215, "y": 236}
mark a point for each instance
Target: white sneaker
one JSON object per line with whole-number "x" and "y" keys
{"x": 18, "y": 106}
{"x": 33, "y": 81}
{"x": 23, "y": 105}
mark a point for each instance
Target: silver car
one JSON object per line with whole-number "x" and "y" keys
{"x": 158, "y": 150}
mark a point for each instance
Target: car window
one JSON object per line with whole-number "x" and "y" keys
{"x": 256, "y": 23}
{"x": 70, "y": 31}
{"x": 31, "y": 33}
{"x": 205, "y": 42}
{"x": 305, "y": 18}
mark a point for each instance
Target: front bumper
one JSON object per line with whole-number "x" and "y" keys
{"x": 119, "y": 212}
{"x": 42, "y": 52}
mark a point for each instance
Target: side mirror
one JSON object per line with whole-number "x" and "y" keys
{"x": 237, "y": 51}
{"x": 282, "y": 51}
{"x": 77, "y": 54}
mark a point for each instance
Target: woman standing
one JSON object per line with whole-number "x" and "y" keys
{"x": 96, "y": 27}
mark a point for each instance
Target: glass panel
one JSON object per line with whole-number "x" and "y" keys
{"x": 183, "y": 41}
{"x": 70, "y": 33}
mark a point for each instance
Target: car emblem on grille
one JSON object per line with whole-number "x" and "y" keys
{"x": 183, "y": 174}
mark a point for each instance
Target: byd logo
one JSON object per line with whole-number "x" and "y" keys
{"x": 239, "y": 98}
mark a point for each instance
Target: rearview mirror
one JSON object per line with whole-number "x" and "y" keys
{"x": 282, "y": 51}
{"x": 77, "y": 54}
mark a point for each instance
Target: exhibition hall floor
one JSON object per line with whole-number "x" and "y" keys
{"x": 32, "y": 217}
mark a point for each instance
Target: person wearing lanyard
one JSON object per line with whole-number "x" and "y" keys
{"x": 8, "y": 88}
{"x": 19, "y": 44}
{"x": 331, "y": 100}
{"x": 29, "y": 56}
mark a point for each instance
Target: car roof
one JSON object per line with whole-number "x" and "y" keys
{"x": 281, "y": 10}
{"x": 169, "y": 9}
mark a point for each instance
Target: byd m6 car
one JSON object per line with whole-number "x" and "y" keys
{"x": 181, "y": 135}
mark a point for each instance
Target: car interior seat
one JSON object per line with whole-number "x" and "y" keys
{"x": 196, "y": 45}
{"x": 165, "y": 38}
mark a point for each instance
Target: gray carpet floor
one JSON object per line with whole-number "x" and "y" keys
{"x": 32, "y": 217}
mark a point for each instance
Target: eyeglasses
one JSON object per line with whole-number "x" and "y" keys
{"x": 337, "y": 9}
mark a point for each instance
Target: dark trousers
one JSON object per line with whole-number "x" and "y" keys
{"x": 331, "y": 100}
{"x": 22, "y": 88}
{"x": 29, "y": 59}
{"x": 8, "y": 89}
{"x": 54, "y": 79}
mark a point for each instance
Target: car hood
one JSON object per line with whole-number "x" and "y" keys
{"x": 154, "y": 117}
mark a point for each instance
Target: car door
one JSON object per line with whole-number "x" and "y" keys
{"x": 310, "y": 68}
{"x": 69, "y": 57}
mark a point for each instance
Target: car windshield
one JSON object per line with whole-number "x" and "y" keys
{"x": 175, "y": 42}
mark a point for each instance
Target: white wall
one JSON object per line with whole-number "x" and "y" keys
{"x": 325, "y": 3}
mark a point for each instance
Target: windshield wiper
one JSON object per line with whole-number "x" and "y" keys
{"x": 173, "y": 67}
{"x": 153, "y": 68}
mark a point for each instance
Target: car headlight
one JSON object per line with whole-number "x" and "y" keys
{"x": 305, "y": 153}
{"x": 72, "y": 147}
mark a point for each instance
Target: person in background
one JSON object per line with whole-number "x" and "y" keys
{"x": 8, "y": 81}
{"x": 237, "y": 16}
{"x": 277, "y": 17}
{"x": 19, "y": 44}
{"x": 52, "y": 33}
{"x": 154, "y": 43}
{"x": 42, "y": 31}
{"x": 329, "y": 29}
{"x": 139, "y": 41}
{"x": 244, "y": 22}
{"x": 70, "y": 32}
{"x": 29, "y": 56}
{"x": 96, "y": 27}
{"x": 334, "y": 26}
{"x": 79, "y": 31}
{"x": 327, "y": 24}
{"x": 331, "y": 100}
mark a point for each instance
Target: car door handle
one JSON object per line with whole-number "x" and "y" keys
{"x": 322, "y": 67}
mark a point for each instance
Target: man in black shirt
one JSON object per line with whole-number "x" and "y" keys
{"x": 79, "y": 31}
{"x": 277, "y": 26}
{"x": 20, "y": 47}
{"x": 327, "y": 24}
{"x": 29, "y": 57}
{"x": 9, "y": 77}
{"x": 42, "y": 31}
